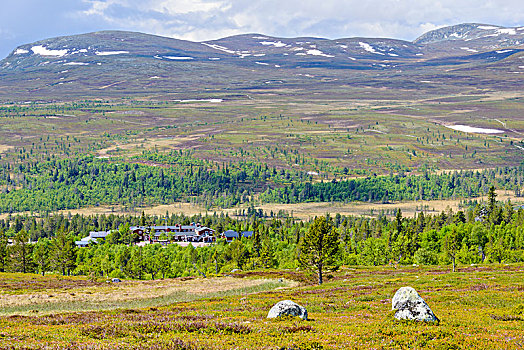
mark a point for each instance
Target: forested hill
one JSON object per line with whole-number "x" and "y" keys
{"x": 89, "y": 181}
{"x": 492, "y": 232}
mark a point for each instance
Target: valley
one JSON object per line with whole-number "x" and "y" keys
{"x": 362, "y": 165}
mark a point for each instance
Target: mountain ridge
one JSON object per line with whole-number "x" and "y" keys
{"x": 134, "y": 62}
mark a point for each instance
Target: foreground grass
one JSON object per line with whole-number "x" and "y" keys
{"x": 480, "y": 307}
{"x": 55, "y": 294}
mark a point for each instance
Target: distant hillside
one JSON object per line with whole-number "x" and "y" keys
{"x": 112, "y": 62}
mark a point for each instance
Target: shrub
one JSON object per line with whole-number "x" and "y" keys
{"x": 425, "y": 257}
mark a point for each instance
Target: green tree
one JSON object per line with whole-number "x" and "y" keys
{"x": 4, "y": 255}
{"x": 451, "y": 244}
{"x": 151, "y": 262}
{"x": 492, "y": 199}
{"x": 163, "y": 262}
{"x": 137, "y": 263}
{"x": 320, "y": 248}
{"x": 21, "y": 252}
{"x": 63, "y": 251}
{"x": 267, "y": 254}
{"x": 239, "y": 253}
{"x": 41, "y": 253}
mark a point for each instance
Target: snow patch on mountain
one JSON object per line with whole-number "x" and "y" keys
{"x": 43, "y": 51}
{"x": 273, "y": 43}
{"x": 456, "y": 35}
{"x": 180, "y": 58}
{"x": 369, "y": 48}
{"x": 21, "y": 51}
{"x": 468, "y": 49}
{"x": 76, "y": 64}
{"x": 510, "y": 31}
{"x": 487, "y": 27}
{"x": 219, "y": 48}
{"x": 315, "y": 52}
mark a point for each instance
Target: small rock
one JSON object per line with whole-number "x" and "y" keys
{"x": 289, "y": 308}
{"x": 116, "y": 280}
{"x": 235, "y": 270}
{"x": 410, "y": 306}
{"x": 280, "y": 280}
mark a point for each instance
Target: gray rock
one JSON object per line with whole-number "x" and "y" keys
{"x": 116, "y": 280}
{"x": 236, "y": 270}
{"x": 410, "y": 306}
{"x": 289, "y": 308}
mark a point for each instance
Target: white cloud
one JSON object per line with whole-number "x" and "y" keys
{"x": 206, "y": 19}
{"x": 26, "y": 21}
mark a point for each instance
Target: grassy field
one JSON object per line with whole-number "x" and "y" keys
{"x": 373, "y": 129}
{"x": 300, "y": 211}
{"x": 34, "y": 294}
{"x": 480, "y": 307}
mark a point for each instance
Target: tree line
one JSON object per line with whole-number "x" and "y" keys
{"x": 157, "y": 178}
{"x": 490, "y": 232}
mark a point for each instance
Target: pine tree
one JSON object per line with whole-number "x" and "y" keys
{"x": 41, "y": 255}
{"x": 21, "y": 252}
{"x": 3, "y": 252}
{"x": 492, "y": 199}
{"x": 451, "y": 244}
{"x": 63, "y": 251}
{"x": 267, "y": 255}
{"x": 320, "y": 248}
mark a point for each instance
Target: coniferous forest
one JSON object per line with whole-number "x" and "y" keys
{"x": 489, "y": 232}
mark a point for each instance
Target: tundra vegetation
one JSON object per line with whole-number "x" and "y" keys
{"x": 478, "y": 306}
{"x": 303, "y": 135}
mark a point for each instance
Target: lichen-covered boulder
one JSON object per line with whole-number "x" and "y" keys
{"x": 287, "y": 308}
{"x": 410, "y": 306}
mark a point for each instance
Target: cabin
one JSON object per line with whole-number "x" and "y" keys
{"x": 94, "y": 237}
{"x": 230, "y": 235}
{"x": 176, "y": 233}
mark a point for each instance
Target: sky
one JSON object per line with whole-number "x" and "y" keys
{"x": 27, "y": 21}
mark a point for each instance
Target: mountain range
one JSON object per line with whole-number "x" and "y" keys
{"x": 116, "y": 63}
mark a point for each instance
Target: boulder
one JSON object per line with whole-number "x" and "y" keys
{"x": 410, "y": 306}
{"x": 116, "y": 280}
{"x": 287, "y": 308}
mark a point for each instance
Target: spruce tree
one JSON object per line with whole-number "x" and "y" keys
{"x": 320, "y": 248}
{"x": 63, "y": 251}
{"x": 21, "y": 252}
{"x": 41, "y": 255}
{"x": 3, "y": 252}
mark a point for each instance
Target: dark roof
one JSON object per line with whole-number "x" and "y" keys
{"x": 231, "y": 234}
{"x": 99, "y": 234}
{"x": 247, "y": 234}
